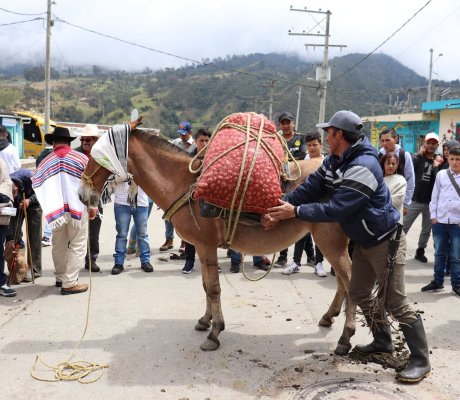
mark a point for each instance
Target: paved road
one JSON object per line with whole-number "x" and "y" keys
{"x": 142, "y": 326}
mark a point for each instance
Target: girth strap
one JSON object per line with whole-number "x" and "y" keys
{"x": 176, "y": 206}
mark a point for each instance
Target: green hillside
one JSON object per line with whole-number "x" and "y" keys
{"x": 204, "y": 94}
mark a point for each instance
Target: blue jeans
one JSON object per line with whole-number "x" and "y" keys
{"x": 133, "y": 231}
{"x": 235, "y": 258}
{"x": 446, "y": 239}
{"x": 169, "y": 230}
{"x": 123, "y": 215}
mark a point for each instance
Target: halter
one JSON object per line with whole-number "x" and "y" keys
{"x": 88, "y": 179}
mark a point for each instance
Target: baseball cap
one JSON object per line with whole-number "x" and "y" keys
{"x": 432, "y": 136}
{"x": 185, "y": 127}
{"x": 345, "y": 120}
{"x": 285, "y": 115}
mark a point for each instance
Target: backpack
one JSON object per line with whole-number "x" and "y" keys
{"x": 402, "y": 161}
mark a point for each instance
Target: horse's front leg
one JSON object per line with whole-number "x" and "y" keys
{"x": 211, "y": 285}
{"x": 204, "y": 322}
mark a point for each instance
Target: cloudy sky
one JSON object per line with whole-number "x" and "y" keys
{"x": 205, "y": 29}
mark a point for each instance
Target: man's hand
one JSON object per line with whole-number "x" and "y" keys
{"x": 92, "y": 212}
{"x": 434, "y": 221}
{"x": 405, "y": 211}
{"x": 285, "y": 210}
{"x": 437, "y": 161}
{"x": 25, "y": 203}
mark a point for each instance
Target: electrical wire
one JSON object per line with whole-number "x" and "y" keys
{"x": 18, "y": 13}
{"x": 22, "y": 22}
{"x": 386, "y": 40}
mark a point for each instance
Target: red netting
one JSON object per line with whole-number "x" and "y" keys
{"x": 222, "y": 165}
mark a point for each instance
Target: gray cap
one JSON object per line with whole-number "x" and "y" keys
{"x": 345, "y": 120}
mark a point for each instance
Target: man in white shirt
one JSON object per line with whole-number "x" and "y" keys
{"x": 8, "y": 152}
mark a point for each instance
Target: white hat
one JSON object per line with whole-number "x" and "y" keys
{"x": 89, "y": 130}
{"x": 432, "y": 136}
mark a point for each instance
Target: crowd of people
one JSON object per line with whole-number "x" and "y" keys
{"x": 375, "y": 195}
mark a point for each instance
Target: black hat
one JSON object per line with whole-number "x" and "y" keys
{"x": 59, "y": 133}
{"x": 285, "y": 115}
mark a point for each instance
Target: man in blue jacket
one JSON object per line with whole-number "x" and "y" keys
{"x": 360, "y": 201}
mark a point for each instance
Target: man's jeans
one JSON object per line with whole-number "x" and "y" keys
{"x": 123, "y": 215}
{"x": 235, "y": 258}
{"x": 446, "y": 239}
{"x": 169, "y": 230}
{"x": 414, "y": 211}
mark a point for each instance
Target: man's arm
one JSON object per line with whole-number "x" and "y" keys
{"x": 410, "y": 179}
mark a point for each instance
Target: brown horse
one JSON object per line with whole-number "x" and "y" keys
{"x": 161, "y": 169}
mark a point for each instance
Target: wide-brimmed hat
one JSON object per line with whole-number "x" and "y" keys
{"x": 59, "y": 133}
{"x": 89, "y": 130}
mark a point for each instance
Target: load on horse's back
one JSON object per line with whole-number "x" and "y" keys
{"x": 162, "y": 170}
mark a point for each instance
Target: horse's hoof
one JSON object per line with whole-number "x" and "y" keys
{"x": 326, "y": 321}
{"x": 201, "y": 327}
{"x": 342, "y": 349}
{"x": 209, "y": 345}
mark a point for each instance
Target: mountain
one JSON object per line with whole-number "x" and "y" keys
{"x": 206, "y": 93}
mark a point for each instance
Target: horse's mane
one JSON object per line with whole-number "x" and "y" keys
{"x": 159, "y": 142}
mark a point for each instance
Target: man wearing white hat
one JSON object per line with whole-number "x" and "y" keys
{"x": 88, "y": 136}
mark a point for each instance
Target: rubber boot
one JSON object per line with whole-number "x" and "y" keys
{"x": 382, "y": 342}
{"x": 419, "y": 360}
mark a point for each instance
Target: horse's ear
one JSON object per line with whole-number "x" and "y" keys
{"x": 134, "y": 124}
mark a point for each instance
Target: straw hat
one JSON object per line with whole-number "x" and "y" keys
{"x": 89, "y": 130}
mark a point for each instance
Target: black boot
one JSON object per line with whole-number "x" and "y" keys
{"x": 382, "y": 342}
{"x": 419, "y": 363}
{"x": 420, "y": 255}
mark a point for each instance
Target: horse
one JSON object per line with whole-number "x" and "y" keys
{"x": 162, "y": 170}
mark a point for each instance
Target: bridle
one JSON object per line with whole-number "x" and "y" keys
{"x": 89, "y": 179}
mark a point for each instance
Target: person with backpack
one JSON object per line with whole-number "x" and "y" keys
{"x": 389, "y": 142}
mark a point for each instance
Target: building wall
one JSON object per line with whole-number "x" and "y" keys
{"x": 410, "y": 133}
{"x": 449, "y": 124}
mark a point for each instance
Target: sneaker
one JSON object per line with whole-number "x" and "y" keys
{"x": 94, "y": 267}
{"x": 235, "y": 268}
{"x": 420, "y": 255}
{"x": 261, "y": 265}
{"x": 6, "y": 291}
{"x": 188, "y": 267}
{"x": 147, "y": 267}
{"x": 117, "y": 269}
{"x": 280, "y": 263}
{"x": 46, "y": 241}
{"x": 456, "y": 291}
{"x": 291, "y": 269}
{"x": 319, "y": 270}
{"x": 78, "y": 288}
{"x": 266, "y": 260}
{"x": 432, "y": 286}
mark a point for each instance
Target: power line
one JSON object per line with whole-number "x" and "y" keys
{"x": 386, "y": 40}
{"x": 18, "y": 13}
{"x": 22, "y": 22}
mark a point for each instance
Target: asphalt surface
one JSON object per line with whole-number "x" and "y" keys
{"x": 142, "y": 326}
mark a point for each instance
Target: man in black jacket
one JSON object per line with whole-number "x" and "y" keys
{"x": 26, "y": 201}
{"x": 360, "y": 201}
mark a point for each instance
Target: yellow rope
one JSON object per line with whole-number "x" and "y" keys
{"x": 260, "y": 277}
{"x": 76, "y": 370}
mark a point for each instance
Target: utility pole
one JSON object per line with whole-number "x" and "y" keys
{"x": 270, "y": 106}
{"x": 428, "y": 97}
{"x": 298, "y": 108}
{"x": 325, "y": 65}
{"x": 48, "y": 69}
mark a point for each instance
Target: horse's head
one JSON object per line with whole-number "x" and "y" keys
{"x": 94, "y": 176}
{"x": 92, "y": 182}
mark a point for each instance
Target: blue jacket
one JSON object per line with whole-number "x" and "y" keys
{"x": 356, "y": 195}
